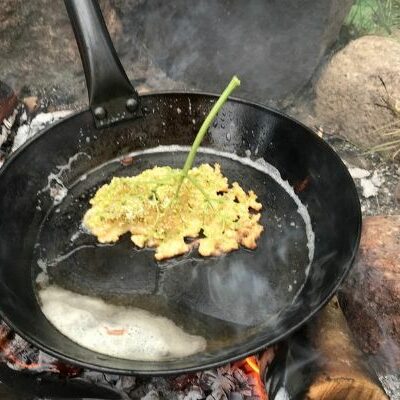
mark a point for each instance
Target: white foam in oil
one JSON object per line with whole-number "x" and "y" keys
{"x": 118, "y": 331}
{"x": 55, "y": 186}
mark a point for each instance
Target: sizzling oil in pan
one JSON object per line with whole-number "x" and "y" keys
{"x": 218, "y": 298}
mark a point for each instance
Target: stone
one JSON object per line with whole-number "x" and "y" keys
{"x": 273, "y": 46}
{"x": 351, "y": 96}
{"x": 112, "y": 18}
{"x": 397, "y": 193}
{"x": 370, "y": 296}
{"x": 38, "y": 49}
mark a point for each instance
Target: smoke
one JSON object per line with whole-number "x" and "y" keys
{"x": 292, "y": 370}
{"x": 273, "y": 46}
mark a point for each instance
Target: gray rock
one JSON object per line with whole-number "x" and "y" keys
{"x": 36, "y": 43}
{"x": 350, "y": 96}
{"x": 274, "y": 46}
{"x": 38, "y": 49}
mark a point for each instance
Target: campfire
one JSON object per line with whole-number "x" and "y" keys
{"x": 350, "y": 349}
{"x": 272, "y": 374}
{"x": 241, "y": 380}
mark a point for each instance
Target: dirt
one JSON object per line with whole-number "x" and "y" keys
{"x": 201, "y": 45}
{"x": 378, "y": 184}
{"x": 383, "y": 178}
{"x": 39, "y": 55}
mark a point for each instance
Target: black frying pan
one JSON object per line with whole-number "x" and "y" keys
{"x": 241, "y": 302}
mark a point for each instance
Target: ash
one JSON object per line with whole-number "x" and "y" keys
{"x": 377, "y": 182}
{"x": 231, "y": 382}
{"x": 20, "y": 126}
{"x": 377, "y": 179}
{"x": 226, "y": 383}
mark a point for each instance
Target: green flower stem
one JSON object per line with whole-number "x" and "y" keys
{"x": 233, "y": 84}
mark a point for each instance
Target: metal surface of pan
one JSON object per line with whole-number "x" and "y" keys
{"x": 241, "y": 302}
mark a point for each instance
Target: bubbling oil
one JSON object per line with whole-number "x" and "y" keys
{"x": 194, "y": 294}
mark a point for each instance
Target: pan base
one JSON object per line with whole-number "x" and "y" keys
{"x": 222, "y": 298}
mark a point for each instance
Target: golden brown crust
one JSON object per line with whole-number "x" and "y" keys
{"x": 146, "y": 205}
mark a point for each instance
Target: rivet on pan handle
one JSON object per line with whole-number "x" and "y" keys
{"x": 112, "y": 97}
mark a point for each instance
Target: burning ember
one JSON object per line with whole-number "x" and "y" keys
{"x": 237, "y": 381}
{"x": 241, "y": 380}
{"x": 19, "y": 355}
{"x": 252, "y": 363}
{"x": 259, "y": 389}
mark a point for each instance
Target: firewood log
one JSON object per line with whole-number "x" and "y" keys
{"x": 342, "y": 373}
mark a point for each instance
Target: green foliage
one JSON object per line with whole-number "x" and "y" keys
{"x": 373, "y": 17}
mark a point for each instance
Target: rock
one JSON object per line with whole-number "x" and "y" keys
{"x": 113, "y": 21}
{"x": 36, "y": 40}
{"x": 370, "y": 297}
{"x": 8, "y": 101}
{"x": 38, "y": 48}
{"x": 350, "y": 96}
{"x": 274, "y": 46}
{"x": 397, "y": 193}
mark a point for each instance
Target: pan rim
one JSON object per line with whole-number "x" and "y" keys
{"x": 218, "y": 361}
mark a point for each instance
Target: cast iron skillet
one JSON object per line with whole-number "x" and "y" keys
{"x": 241, "y": 302}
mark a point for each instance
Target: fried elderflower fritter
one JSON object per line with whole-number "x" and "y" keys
{"x": 207, "y": 212}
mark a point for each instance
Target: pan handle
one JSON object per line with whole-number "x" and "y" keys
{"x": 112, "y": 97}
